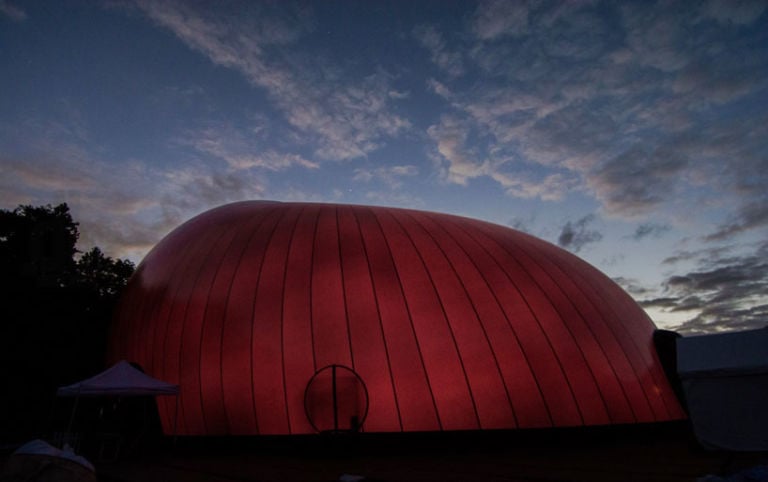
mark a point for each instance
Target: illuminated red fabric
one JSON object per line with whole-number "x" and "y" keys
{"x": 451, "y": 323}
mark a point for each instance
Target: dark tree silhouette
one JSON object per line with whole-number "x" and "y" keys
{"x": 55, "y": 311}
{"x": 101, "y": 275}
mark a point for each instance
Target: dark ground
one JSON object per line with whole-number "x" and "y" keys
{"x": 647, "y": 453}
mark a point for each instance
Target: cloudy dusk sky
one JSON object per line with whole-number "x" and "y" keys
{"x": 632, "y": 134}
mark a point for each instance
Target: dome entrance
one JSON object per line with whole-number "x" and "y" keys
{"x": 336, "y": 400}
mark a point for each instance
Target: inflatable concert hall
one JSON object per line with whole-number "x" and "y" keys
{"x": 296, "y": 318}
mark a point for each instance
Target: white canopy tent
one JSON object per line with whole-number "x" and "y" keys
{"x": 725, "y": 381}
{"x": 121, "y": 380}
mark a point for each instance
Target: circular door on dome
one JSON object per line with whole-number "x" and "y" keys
{"x": 336, "y": 400}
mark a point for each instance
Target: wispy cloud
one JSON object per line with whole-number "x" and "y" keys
{"x": 633, "y": 286}
{"x": 392, "y": 176}
{"x": 621, "y": 190}
{"x": 395, "y": 198}
{"x": 649, "y": 114}
{"x": 347, "y": 122}
{"x": 742, "y": 12}
{"x": 137, "y": 202}
{"x": 345, "y": 119}
{"x": 725, "y": 292}
{"x": 524, "y": 224}
{"x": 751, "y": 216}
{"x": 553, "y": 187}
{"x": 632, "y": 115}
{"x": 457, "y": 161}
{"x": 449, "y": 61}
{"x": 498, "y": 18}
{"x": 575, "y": 235}
{"x": 11, "y": 11}
{"x": 198, "y": 188}
{"x": 241, "y": 151}
{"x": 650, "y": 230}
{"x": 698, "y": 254}
{"x": 82, "y": 183}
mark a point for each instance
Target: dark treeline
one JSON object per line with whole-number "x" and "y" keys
{"x": 55, "y": 309}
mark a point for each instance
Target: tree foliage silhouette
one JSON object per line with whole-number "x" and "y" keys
{"x": 55, "y": 308}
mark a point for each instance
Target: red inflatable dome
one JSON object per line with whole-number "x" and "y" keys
{"x": 292, "y": 318}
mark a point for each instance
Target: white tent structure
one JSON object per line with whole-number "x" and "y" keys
{"x": 121, "y": 380}
{"x": 725, "y": 381}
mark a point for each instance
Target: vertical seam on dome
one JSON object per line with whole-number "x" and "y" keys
{"x": 282, "y": 318}
{"x": 232, "y": 230}
{"x": 633, "y": 342}
{"x": 506, "y": 318}
{"x": 253, "y": 313}
{"x": 184, "y": 324}
{"x": 151, "y": 305}
{"x": 311, "y": 290}
{"x": 158, "y": 302}
{"x": 196, "y": 280}
{"x": 410, "y": 319}
{"x": 343, "y": 287}
{"x": 224, "y": 323}
{"x": 150, "y": 312}
{"x": 144, "y": 327}
{"x": 471, "y": 302}
{"x": 651, "y": 372}
{"x": 445, "y": 317}
{"x": 533, "y": 315}
{"x": 185, "y": 257}
{"x": 566, "y": 325}
{"x": 381, "y": 323}
{"x": 161, "y": 338}
{"x": 557, "y": 356}
{"x": 579, "y": 287}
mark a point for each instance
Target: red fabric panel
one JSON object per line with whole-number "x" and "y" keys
{"x": 212, "y": 395}
{"x": 504, "y": 275}
{"x": 582, "y": 382}
{"x": 546, "y": 382}
{"x": 169, "y": 325}
{"x": 476, "y": 356}
{"x": 555, "y": 283}
{"x": 579, "y": 287}
{"x": 446, "y": 376}
{"x": 663, "y": 402}
{"x": 178, "y": 323}
{"x": 417, "y": 409}
{"x": 145, "y": 309}
{"x": 631, "y": 324}
{"x": 232, "y": 243}
{"x": 189, "y": 380}
{"x": 297, "y": 346}
{"x": 472, "y": 265}
{"x": 267, "y": 352}
{"x": 370, "y": 358}
{"x": 237, "y": 341}
{"x": 329, "y": 317}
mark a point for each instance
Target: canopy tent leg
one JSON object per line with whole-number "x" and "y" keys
{"x": 72, "y": 415}
{"x": 176, "y": 421}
